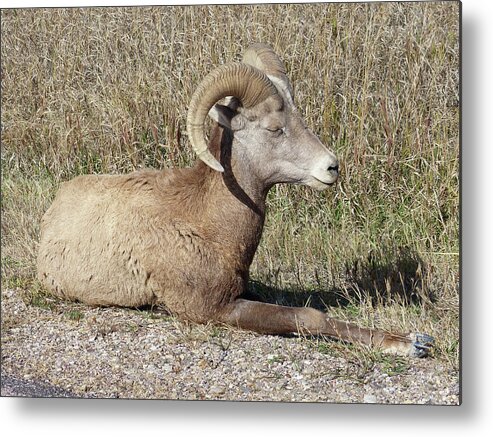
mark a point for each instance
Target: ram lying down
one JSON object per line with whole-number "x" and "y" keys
{"x": 185, "y": 238}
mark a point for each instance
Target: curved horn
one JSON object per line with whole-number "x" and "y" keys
{"x": 245, "y": 82}
{"x": 263, "y": 57}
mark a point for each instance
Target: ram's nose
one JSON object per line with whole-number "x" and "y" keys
{"x": 330, "y": 171}
{"x": 333, "y": 170}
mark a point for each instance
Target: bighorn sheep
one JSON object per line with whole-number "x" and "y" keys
{"x": 185, "y": 238}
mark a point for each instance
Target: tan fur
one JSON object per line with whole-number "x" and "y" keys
{"x": 173, "y": 237}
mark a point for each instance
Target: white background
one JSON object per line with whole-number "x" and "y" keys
{"x": 56, "y": 417}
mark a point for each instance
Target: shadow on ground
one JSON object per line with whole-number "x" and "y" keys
{"x": 402, "y": 280}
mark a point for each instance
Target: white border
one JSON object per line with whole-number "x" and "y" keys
{"x": 55, "y": 417}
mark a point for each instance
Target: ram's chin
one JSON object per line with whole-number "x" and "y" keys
{"x": 319, "y": 185}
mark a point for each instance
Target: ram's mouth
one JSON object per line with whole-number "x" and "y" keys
{"x": 320, "y": 184}
{"x": 328, "y": 183}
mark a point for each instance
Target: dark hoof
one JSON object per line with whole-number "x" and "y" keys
{"x": 422, "y": 344}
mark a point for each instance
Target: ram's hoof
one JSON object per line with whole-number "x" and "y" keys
{"x": 421, "y": 345}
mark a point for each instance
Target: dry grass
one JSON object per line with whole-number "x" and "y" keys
{"x": 107, "y": 90}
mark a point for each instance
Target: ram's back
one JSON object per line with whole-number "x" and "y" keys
{"x": 87, "y": 248}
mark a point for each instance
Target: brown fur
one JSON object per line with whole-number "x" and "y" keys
{"x": 174, "y": 237}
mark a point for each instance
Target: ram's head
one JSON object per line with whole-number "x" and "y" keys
{"x": 269, "y": 134}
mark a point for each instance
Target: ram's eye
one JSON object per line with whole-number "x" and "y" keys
{"x": 276, "y": 131}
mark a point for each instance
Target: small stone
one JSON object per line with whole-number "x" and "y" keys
{"x": 215, "y": 391}
{"x": 203, "y": 363}
{"x": 167, "y": 368}
{"x": 369, "y": 399}
{"x": 308, "y": 370}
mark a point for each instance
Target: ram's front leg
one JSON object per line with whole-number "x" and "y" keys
{"x": 413, "y": 344}
{"x": 275, "y": 319}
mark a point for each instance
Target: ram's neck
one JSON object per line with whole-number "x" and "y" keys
{"x": 236, "y": 206}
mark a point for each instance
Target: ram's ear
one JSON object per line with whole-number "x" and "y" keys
{"x": 222, "y": 115}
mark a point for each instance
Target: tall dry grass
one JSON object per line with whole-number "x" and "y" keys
{"x": 107, "y": 89}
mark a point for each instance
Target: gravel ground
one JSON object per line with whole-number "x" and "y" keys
{"x": 77, "y": 351}
{"x": 12, "y": 386}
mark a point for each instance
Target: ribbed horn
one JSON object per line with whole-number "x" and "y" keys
{"x": 263, "y": 57}
{"x": 242, "y": 81}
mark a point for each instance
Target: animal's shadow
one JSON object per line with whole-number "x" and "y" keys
{"x": 401, "y": 280}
